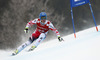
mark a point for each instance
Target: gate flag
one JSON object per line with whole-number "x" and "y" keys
{"x": 75, "y": 3}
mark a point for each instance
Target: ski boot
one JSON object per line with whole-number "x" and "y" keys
{"x": 32, "y": 48}
{"x": 15, "y": 52}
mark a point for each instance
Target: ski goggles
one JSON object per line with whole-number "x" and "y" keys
{"x": 43, "y": 18}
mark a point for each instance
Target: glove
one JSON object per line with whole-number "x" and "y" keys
{"x": 26, "y": 29}
{"x": 60, "y": 39}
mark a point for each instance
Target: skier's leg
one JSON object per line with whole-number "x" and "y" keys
{"x": 38, "y": 41}
{"x": 20, "y": 48}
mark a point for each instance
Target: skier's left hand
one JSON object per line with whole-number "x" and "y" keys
{"x": 60, "y": 39}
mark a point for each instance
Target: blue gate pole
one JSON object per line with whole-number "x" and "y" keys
{"x": 73, "y": 22}
{"x": 93, "y": 16}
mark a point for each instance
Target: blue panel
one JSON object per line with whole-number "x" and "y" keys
{"x": 75, "y": 3}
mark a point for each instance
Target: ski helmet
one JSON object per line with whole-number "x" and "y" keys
{"x": 43, "y": 14}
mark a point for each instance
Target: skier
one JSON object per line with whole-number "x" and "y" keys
{"x": 43, "y": 26}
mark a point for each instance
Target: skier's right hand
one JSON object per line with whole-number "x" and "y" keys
{"x": 26, "y": 30}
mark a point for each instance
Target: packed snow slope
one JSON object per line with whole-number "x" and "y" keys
{"x": 85, "y": 47}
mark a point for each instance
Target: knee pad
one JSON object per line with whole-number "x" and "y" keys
{"x": 42, "y": 36}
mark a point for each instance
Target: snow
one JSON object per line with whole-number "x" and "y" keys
{"x": 85, "y": 47}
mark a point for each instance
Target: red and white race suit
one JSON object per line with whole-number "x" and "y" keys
{"x": 42, "y": 28}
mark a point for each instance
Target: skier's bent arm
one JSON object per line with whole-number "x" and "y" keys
{"x": 54, "y": 29}
{"x": 30, "y": 23}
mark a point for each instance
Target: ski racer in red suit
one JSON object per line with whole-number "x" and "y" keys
{"x": 43, "y": 26}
